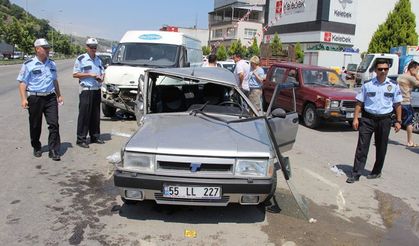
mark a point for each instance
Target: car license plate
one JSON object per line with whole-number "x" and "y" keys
{"x": 191, "y": 192}
{"x": 350, "y": 115}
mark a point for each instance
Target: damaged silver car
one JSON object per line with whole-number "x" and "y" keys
{"x": 201, "y": 141}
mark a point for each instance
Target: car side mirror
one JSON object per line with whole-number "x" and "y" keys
{"x": 279, "y": 112}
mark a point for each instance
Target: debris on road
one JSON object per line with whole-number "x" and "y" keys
{"x": 338, "y": 172}
{"x": 114, "y": 158}
{"x": 190, "y": 233}
{"x": 312, "y": 220}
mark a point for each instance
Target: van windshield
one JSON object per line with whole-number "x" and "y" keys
{"x": 365, "y": 63}
{"x": 146, "y": 54}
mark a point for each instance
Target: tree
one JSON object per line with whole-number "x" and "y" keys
{"x": 276, "y": 46}
{"x": 397, "y": 30}
{"x": 221, "y": 53}
{"x": 253, "y": 50}
{"x": 299, "y": 53}
{"x": 237, "y": 47}
{"x": 206, "y": 50}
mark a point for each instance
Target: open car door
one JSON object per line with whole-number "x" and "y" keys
{"x": 284, "y": 125}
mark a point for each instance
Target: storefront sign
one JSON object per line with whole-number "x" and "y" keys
{"x": 330, "y": 37}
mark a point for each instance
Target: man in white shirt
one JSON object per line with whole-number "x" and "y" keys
{"x": 241, "y": 72}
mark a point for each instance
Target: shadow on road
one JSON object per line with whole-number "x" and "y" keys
{"x": 347, "y": 169}
{"x": 333, "y": 127}
{"x": 148, "y": 210}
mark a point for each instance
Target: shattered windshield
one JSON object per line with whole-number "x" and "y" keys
{"x": 173, "y": 94}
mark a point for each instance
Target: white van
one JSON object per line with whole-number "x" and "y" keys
{"x": 138, "y": 51}
{"x": 365, "y": 70}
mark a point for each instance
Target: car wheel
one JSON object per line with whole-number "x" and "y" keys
{"x": 108, "y": 111}
{"x": 310, "y": 117}
{"x": 129, "y": 202}
{"x": 415, "y": 122}
{"x": 272, "y": 193}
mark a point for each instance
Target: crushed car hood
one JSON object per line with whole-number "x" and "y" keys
{"x": 184, "y": 134}
{"x": 123, "y": 75}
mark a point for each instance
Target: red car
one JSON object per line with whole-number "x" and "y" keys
{"x": 320, "y": 93}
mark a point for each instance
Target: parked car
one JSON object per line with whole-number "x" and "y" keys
{"x": 106, "y": 58}
{"x": 229, "y": 64}
{"x": 200, "y": 141}
{"x": 415, "y": 105}
{"x": 320, "y": 92}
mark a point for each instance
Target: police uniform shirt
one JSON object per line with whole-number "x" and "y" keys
{"x": 378, "y": 98}
{"x": 38, "y": 76}
{"x": 84, "y": 64}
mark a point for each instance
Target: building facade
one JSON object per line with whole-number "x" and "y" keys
{"x": 234, "y": 20}
{"x": 316, "y": 24}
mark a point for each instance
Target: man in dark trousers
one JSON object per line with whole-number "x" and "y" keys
{"x": 377, "y": 100}
{"x": 89, "y": 70}
{"x": 40, "y": 94}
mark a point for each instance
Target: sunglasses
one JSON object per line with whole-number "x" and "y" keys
{"x": 92, "y": 47}
{"x": 381, "y": 69}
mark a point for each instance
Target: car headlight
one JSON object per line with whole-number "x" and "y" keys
{"x": 332, "y": 103}
{"x": 138, "y": 162}
{"x": 249, "y": 167}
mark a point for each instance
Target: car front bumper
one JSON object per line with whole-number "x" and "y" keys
{"x": 233, "y": 189}
{"x": 336, "y": 115}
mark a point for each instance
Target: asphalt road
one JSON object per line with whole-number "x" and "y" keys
{"x": 74, "y": 202}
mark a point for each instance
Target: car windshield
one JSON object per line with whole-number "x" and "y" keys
{"x": 106, "y": 59}
{"x": 352, "y": 67}
{"x": 323, "y": 78}
{"x": 173, "y": 94}
{"x": 365, "y": 63}
{"x": 146, "y": 54}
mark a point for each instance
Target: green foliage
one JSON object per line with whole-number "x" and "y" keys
{"x": 398, "y": 30}
{"x": 299, "y": 53}
{"x": 206, "y": 50}
{"x": 276, "y": 45}
{"x": 237, "y": 47}
{"x": 221, "y": 53}
{"x": 253, "y": 50}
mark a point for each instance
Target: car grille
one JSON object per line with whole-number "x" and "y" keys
{"x": 348, "y": 104}
{"x": 160, "y": 197}
{"x": 186, "y": 166}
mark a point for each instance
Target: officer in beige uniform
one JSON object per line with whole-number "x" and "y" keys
{"x": 89, "y": 70}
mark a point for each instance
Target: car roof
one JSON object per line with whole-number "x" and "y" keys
{"x": 300, "y": 66}
{"x": 216, "y": 74}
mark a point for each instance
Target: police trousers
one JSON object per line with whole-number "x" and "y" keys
{"x": 48, "y": 106}
{"x": 89, "y": 115}
{"x": 381, "y": 129}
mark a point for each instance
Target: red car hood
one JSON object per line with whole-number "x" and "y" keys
{"x": 334, "y": 93}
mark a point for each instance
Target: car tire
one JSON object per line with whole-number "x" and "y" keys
{"x": 415, "y": 122}
{"x": 129, "y": 202}
{"x": 108, "y": 111}
{"x": 274, "y": 183}
{"x": 310, "y": 117}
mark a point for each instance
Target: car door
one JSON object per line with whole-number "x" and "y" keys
{"x": 284, "y": 125}
{"x": 277, "y": 75}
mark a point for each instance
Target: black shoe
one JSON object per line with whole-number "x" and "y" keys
{"x": 352, "y": 179}
{"x": 374, "y": 176}
{"x": 83, "y": 145}
{"x": 37, "y": 152}
{"x": 97, "y": 140}
{"x": 53, "y": 154}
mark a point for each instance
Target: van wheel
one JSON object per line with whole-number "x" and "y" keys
{"x": 415, "y": 122}
{"x": 108, "y": 111}
{"x": 310, "y": 117}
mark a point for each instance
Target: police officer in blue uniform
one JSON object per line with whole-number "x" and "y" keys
{"x": 90, "y": 72}
{"x": 40, "y": 94}
{"x": 377, "y": 100}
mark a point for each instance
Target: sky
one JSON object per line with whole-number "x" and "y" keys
{"x": 111, "y": 19}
